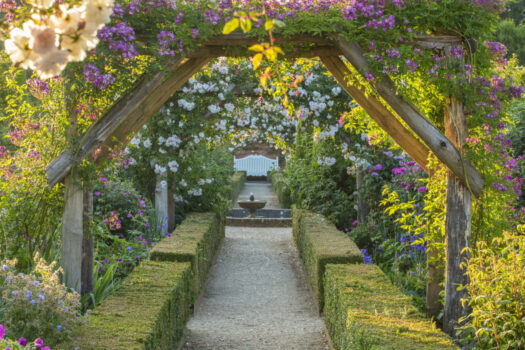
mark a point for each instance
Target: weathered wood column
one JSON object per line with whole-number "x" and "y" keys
{"x": 77, "y": 240}
{"x": 362, "y": 208}
{"x": 162, "y": 203}
{"x": 457, "y": 222}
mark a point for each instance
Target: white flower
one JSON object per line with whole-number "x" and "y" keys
{"x": 135, "y": 141}
{"x": 17, "y": 47}
{"x": 173, "y": 165}
{"x": 229, "y": 107}
{"x": 214, "y": 109}
{"x": 173, "y": 141}
{"x": 183, "y": 183}
{"x": 132, "y": 161}
{"x": 223, "y": 69}
{"x": 43, "y": 4}
{"x": 163, "y": 184}
{"x": 221, "y": 96}
{"x": 177, "y": 198}
{"x": 160, "y": 169}
{"x": 162, "y": 150}
{"x": 336, "y": 90}
{"x": 147, "y": 143}
{"x": 98, "y": 13}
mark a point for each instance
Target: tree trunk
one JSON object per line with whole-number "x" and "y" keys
{"x": 457, "y": 223}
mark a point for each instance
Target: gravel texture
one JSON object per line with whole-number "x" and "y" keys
{"x": 256, "y": 296}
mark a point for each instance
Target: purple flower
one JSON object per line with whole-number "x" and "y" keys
{"x": 379, "y": 167}
{"x": 22, "y": 341}
{"x": 422, "y": 189}
{"x": 367, "y": 259}
{"x": 2, "y": 331}
{"x": 355, "y": 223}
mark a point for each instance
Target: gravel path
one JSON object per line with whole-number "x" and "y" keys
{"x": 256, "y": 297}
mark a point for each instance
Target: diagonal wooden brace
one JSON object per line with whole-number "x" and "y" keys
{"x": 126, "y": 116}
{"x": 440, "y": 145}
{"x": 375, "y": 109}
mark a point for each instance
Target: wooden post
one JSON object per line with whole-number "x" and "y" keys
{"x": 434, "y": 286}
{"x": 457, "y": 222}
{"x": 362, "y": 208}
{"x": 171, "y": 212}
{"x": 162, "y": 203}
{"x": 77, "y": 242}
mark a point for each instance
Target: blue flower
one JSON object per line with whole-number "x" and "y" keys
{"x": 59, "y": 328}
{"x": 367, "y": 259}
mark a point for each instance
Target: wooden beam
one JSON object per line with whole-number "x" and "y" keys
{"x": 240, "y": 39}
{"x": 458, "y": 215}
{"x": 210, "y": 51}
{"x": 382, "y": 116}
{"x": 442, "y": 147}
{"x": 126, "y": 116}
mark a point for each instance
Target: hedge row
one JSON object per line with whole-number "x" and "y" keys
{"x": 321, "y": 243}
{"x": 151, "y": 307}
{"x": 281, "y": 188}
{"x": 148, "y": 311}
{"x": 196, "y": 240}
{"x": 238, "y": 180}
{"x": 363, "y": 310}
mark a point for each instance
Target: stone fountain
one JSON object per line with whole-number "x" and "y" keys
{"x": 252, "y": 205}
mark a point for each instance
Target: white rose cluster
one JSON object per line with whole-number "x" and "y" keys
{"x": 326, "y": 161}
{"x": 47, "y": 43}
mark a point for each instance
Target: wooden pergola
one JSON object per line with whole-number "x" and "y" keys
{"x": 133, "y": 110}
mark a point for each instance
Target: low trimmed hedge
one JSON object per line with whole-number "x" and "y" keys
{"x": 320, "y": 243}
{"x": 148, "y": 311}
{"x": 238, "y": 180}
{"x": 281, "y": 188}
{"x": 363, "y": 310}
{"x": 195, "y": 240}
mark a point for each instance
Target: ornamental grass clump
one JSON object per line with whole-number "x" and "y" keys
{"x": 497, "y": 292}
{"x": 36, "y": 304}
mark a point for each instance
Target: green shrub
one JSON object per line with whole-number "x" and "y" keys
{"x": 148, "y": 311}
{"x": 238, "y": 181}
{"x": 281, "y": 188}
{"x": 320, "y": 243}
{"x": 497, "y": 291}
{"x": 363, "y": 310}
{"x": 196, "y": 240}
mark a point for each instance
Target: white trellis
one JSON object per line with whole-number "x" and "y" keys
{"x": 255, "y": 165}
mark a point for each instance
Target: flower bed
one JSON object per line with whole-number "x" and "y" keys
{"x": 280, "y": 186}
{"x": 320, "y": 243}
{"x": 364, "y": 310}
{"x": 196, "y": 240}
{"x": 238, "y": 180}
{"x": 149, "y": 310}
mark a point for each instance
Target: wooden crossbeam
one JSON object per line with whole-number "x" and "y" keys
{"x": 211, "y": 51}
{"x": 375, "y": 109}
{"x": 440, "y": 145}
{"x": 127, "y": 116}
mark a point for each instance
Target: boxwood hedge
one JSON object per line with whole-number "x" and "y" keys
{"x": 196, "y": 240}
{"x": 319, "y": 243}
{"x": 363, "y": 310}
{"x": 238, "y": 180}
{"x": 148, "y": 311}
{"x": 281, "y": 188}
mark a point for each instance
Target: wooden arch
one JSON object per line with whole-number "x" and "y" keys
{"x": 132, "y": 111}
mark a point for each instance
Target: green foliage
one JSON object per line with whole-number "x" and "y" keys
{"x": 363, "y": 310}
{"x": 148, "y": 311}
{"x": 104, "y": 285}
{"x": 513, "y": 36}
{"x": 36, "y": 304}
{"x": 281, "y": 188}
{"x": 320, "y": 243}
{"x": 497, "y": 288}
{"x": 196, "y": 240}
{"x": 238, "y": 179}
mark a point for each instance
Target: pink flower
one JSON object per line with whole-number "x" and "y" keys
{"x": 355, "y": 223}
{"x": 2, "y": 331}
{"x": 22, "y": 341}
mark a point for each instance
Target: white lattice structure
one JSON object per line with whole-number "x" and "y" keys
{"x": 255, "y": 165}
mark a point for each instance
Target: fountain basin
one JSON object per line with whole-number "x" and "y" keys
{"x": 252, "y": 206}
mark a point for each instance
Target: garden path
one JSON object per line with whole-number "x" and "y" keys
{"x": 256, "y": 296}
